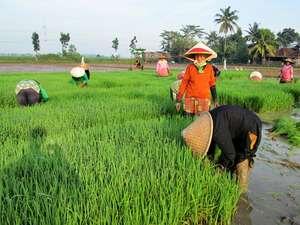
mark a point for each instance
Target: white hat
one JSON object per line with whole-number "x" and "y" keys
{"x": 256, "y": 75}
{"x": 77, "y": 72}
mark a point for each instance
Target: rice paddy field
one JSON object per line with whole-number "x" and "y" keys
{"x": 112, "y": 153}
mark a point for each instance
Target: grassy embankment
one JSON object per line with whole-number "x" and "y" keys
{"x": 112, "y": 153}
{"x": 58, "y": 59}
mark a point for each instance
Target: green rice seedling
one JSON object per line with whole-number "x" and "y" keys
{"x": 288, "y": 127}
{"x": 112, "y": 153}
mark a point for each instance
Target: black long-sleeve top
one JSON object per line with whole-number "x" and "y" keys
{"x": 232, "y": 126}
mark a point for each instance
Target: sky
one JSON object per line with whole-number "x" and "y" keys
{"x": 93, "y": 24}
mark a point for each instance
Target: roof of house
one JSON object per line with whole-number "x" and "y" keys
{"x": 288, "y": 53}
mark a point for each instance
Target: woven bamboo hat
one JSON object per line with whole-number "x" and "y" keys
{"x": 200, "y": 49}
{"x": 77, "y": 72}
{"x": 289, "y": 60}
{"x": 198, "y": 134}
{"x": 255, "y": 75}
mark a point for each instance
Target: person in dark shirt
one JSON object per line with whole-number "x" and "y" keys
{"x": 237, "y": 133}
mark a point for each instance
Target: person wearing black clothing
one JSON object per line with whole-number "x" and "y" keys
{"x": 235, "y": 130}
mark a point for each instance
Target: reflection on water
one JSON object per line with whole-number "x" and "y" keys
{"x": 274, "y": 190}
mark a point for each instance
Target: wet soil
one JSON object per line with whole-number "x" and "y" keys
{"x": 274, "y": 191}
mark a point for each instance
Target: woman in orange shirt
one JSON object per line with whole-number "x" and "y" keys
{"x": 198, "y": 83}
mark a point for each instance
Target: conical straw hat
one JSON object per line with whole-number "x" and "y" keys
{"x": 256, "y": 75}
{"x": 77, "y": 72}
{"x": 202, "y": 49}
{"x": 199, "y": 133}
{"x": 289, "y": 60}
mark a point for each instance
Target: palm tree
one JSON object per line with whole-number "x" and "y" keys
{"x": 264, "y": 45}
{"x": 212, "y": 38}
{"x": 227, "y": 20}
{"x": 253, "y": 32}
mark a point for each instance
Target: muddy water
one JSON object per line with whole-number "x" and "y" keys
{"x": 274, "y": 191}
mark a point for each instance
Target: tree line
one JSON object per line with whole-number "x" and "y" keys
{"x": 229, "y": 41}
{"x": 231, "y": 44}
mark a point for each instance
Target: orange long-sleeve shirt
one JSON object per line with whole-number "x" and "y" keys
{"x": 195, "y": 84}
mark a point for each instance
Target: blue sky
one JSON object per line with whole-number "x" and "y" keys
{"x": 93, "y": 24}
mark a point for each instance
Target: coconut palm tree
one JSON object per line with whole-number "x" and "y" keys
{"x": 264, "y": 45}
{"x": 252, "y": 32}
{"x": 227, "y": 20}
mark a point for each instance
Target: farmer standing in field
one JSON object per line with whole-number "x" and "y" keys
{"x": 162, "y": 67}
{"x": 287, "y": 72}
{"x": 79, "y": 77}
{"x": 30, "y": 92}
{"x": 86, "y": 68}
{"x": 235, "y": 130}
{"x": 198, "y": 83}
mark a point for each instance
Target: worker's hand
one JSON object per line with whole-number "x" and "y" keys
{"x": 178, "y": 105}
{"x": 216, "y": 104}
{"x": 221, "y": 168}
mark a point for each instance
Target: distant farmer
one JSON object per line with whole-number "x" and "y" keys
{"x": 86, "y": 68}
{"x": 175, "y": 86}
{"x": 287, "y": 72}
{"x": 162, "y": 67}
{"x": 138, "y": 64}
{"x": 255, "y": 75}
{"x": 79, "y": 77}
{"x": 30, "y": 92}
{"x": 235, "y": 130}
{"x": 198, "y": 83}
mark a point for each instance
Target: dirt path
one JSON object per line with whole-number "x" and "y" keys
{"x": 6, "y": 67}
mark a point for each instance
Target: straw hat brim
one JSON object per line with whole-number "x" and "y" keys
{"x": 198, "y": 134}
{"x": 289, "y": 60}
{"x": 77, "y": 72}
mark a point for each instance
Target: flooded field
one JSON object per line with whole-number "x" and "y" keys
{"x": 274, "y": 192}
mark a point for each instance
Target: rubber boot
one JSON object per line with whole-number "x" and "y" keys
{"x": 243, "y": 171}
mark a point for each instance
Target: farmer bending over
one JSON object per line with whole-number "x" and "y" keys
{"x": 235, "y": 130}
{"x": 30, "y": 92}
{"x": 79, "y": 77}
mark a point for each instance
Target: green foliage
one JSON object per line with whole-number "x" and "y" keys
{"x": 264, "y": 45}
{"x": 108, "y": 154}
{"x": 234, "y": 87}
{"x": 64, "y": 40}
{"x": 115, "y": 44}
{"x": 177, "y": 43}
{"x": 227, "y": 20}
{"x": 287, "y": 36}
{"x": 35, "y": 42}
{"x": 288, "y": 127}
{"x": 72, "y": 49}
